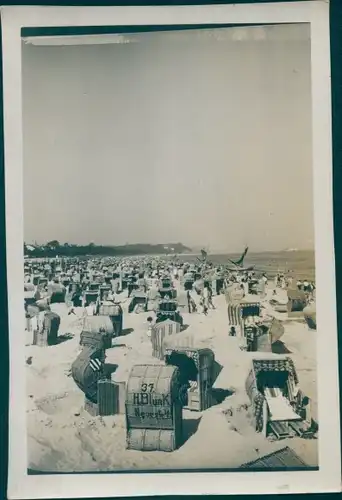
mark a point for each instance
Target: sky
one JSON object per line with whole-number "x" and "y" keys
{"x": 196, "y": 137}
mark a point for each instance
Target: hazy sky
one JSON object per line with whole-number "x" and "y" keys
{"x": 203, "y": 139}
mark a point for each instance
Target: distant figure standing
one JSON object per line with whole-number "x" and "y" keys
{"x": 150, "y": 325}
{"x": 188, "y": 298}
{"x": 210, "y": 298}
{"x": 306, "y": 286}
{"x": 28, "y": 318}
{"x": 208, "y": 295}
{"x": 191, "y": 303}
{"x": 115, "y": 284}
{"x": 130, "y": 285}
{"x": 40, "y": 318}
{"x": 142, "y": 285}
{"x": 232, "y": 331}
{"x": 203, "y": 304}
{"x": 90, "y": 310}
{"x": 34, "y": 323}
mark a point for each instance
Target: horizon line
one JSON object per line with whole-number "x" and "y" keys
{"x": 194, "y": 250}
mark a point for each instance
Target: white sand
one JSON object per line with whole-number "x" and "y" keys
{"x": 63, "y": 437}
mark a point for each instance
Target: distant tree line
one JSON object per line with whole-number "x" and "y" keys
{"x": 53, "y": 248}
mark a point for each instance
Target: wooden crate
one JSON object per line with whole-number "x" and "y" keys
{"x": 153, "y": 403}
{"x": 121, "y": 395}
{"x": 107, "y": 397}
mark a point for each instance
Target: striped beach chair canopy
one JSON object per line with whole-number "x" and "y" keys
{"x": 239, "y": 311}
{"x": 234, "y": 314}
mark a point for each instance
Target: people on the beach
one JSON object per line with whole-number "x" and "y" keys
{"x": 203, "y": 304}
{"x": 208, "y": 297}
{"x": 232, "y": 331}
{"x": 188, "y": 298}
{"x": 191, "y": 303}
{"x": 91, "y": 309}
{"x": 150, "y": 325}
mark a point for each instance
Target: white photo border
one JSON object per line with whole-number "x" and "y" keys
{"x": 327, "y": 478}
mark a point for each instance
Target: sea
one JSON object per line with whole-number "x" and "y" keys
{"x": 299, "y": 264}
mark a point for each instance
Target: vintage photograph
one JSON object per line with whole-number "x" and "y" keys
{"x": 168, "y": 253}
{"x": 169, "y": 244}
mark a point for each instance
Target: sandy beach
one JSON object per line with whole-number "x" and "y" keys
{"x": 63, "y": 437}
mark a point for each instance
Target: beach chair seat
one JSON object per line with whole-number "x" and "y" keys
{"x": 279, "y": 407}
{"x": 280, "y": 429}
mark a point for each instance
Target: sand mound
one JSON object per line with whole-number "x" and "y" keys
{"x": 63, "y": 437}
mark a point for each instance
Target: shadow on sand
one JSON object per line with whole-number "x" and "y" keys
{"x": 64, "y": 338}
{"x": 279, "y": 347}
{"x": 118, "y": 345}
{"x": 184, "y": 327}
{"x": 190, "y": 426}
{"x": 126, "y": 331}
{"x": 109, "y": 368}
{"x": 219, "y": 395}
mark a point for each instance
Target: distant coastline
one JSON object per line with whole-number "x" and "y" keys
{"x": 54, "y": 248}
